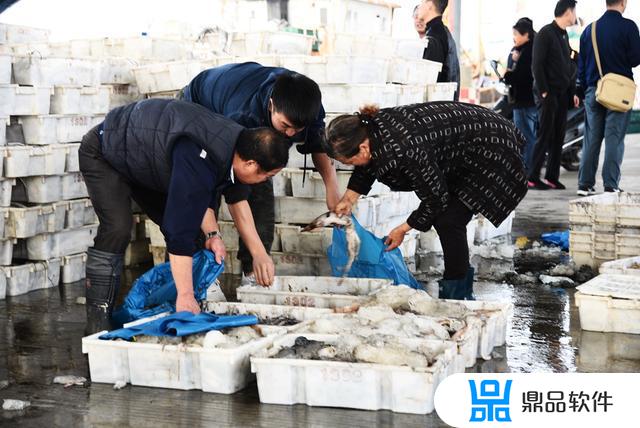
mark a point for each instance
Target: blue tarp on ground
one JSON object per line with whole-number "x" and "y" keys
{"x": 559, "y": 239}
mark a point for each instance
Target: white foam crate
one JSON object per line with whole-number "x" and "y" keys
{"x": 95, "y": 100}
{"x": 311, "y": 291}
{"x": 38, "y": 190}
{"x": 24, "y": 100}
{"x": 270, "y": 42}
{"x": 339, "y": 69}
{"x": 139, "y": 48}
{"x": 117, "y": 71}
{"x": 72, "y": 160}
{"x": 313, "y": 186}
{"x": 282, "y": 184}
{"x": 30, "y": 161}
{"x": 627, "y": 244}
{"x": 6, "y": 188}
{"x": 363, "y": 45}
{"x": 485, "y": 230}
{"x": 50, "y": 71}
{"x": 300, "y": 264}
{"x": 73, "y": 186}
{"x": 302, "y": 211}
{"x": 349, "y": 98}
{"x": 610, "y": 303}
{"x": 22, "y": 279}
{"x": 293, "y": 240}
{"x": 5, "y": 69}
{"x": 4, "y": 122}
{"x": 441, "y": 91}
{"x": 39, "y": 130}
{"x": 66, "y": 100}
{"x": 3, "y": 286}
{"x": 165, "y": 77}
{"x": 222, "y": 371}
{"x": 120, "y": 95}
{"x": 411, "y": 49}
{"x": 498, "y": 318}
{"x": 410, "y": 94}
{"x": 58, "y": 244}
{"x": 73, "y": 268}
{"x": 6, "y": 253}
{"x": 430, "y": 241}
{"x": 16, "y": 34}
{"x": 628, "y": 266}
{"x": 79, "y": 212}
{"x": 352, "y": 385}
{"x": 72, "y": 128}
{"x": 25, "y": 222}
{"x": 605, "y": 210}
{"x": 267, "y": 311}
{"x": 414, "y": 72}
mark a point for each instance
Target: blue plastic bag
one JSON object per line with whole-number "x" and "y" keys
{"x": 181, "y": 324}
{"x": 560, "y": 239}
{"x": 155, "y": 291}
{"x": 372, "y": 260}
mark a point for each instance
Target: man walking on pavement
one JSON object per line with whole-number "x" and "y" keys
{"x": 554, "y": 74}
{"x": 441, "y": 47}
{"x": 618, "y": 45}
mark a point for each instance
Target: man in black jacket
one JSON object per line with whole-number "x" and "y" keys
{"x": 173, "y": 158}
{"x": 440, "y": 44}
{"x": 554, "y": 74}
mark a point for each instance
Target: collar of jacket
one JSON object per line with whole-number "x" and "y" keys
{"x": 558, "y": 29}
{"x": 434, "y": 22}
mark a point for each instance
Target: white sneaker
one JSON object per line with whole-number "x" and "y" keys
{"x": 586, "y": 191}
{"x": 248, "y": 280}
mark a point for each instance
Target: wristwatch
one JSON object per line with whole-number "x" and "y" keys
{"x": 213, "y": 235}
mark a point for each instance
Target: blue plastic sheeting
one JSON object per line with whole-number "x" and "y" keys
{"x": 372, "y": 260}
{"x": 559, "y": 239}
{"x": 181, "y": 324}
{"x": 155, "y": 291}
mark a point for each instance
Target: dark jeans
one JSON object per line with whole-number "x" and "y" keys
{"x": 552, "y": 116}
{"x": 111, "y": 197}
{"x": 262, "y": 203}
{"x": 526, "y": 120}
{"x": 451, "y": 226}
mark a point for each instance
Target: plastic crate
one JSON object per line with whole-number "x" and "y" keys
{"x": 58, "y": 244}
{"x": 166, "y": 77}
{"x": 24, "y": 278}
{"x": 349, "y": 98}
{"x": 414, "y": 71}
{"x": 628, "y": 266}
{"x": 5, "y": 69}
{"x": 50, "y": 71}
{"x": 73, "y": 268}
{"x": 24, "y": 100}
{"x": 441, "y": 91}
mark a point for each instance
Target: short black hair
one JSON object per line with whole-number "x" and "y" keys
{"x": 441, "y": 5}
{"x": 562, "y": 6}
{"x": 266, "y": 146}
{"x": 297, "y": 97}
{"x": 613, "y": 2}
{"x": 525, "y": 26}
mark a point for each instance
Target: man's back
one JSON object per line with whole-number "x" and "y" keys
{"x": 553, "y": 69}
{"x": 619, "y": 46}
{"x": 442, "y": 48}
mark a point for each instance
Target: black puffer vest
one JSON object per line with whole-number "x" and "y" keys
{"x": 138, "y": 138}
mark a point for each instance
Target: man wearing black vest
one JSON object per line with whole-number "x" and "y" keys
{"x": 173, "y": 158}
{"x": 441, "y": 47}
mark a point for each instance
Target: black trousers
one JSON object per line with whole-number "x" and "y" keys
{"x": 451, "y": 226}
{"x": 111, "y": 196}
{"x": 262, "y": 203}
{"x": 552, "y": 118}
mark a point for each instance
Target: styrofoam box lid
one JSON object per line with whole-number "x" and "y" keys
{"x": 629, "y": 266}
{"x": 611, "y": 285}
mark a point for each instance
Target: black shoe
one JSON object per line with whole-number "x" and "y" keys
{"x": 613, "y": 190}
{"x": 586, "y": 191}
{"x": 555, "y": 185}
{"x": 537, "y": 185}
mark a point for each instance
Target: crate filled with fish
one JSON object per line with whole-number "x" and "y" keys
{"x": 215, "y": 361}
{"x": 346, "y": 370}
{"x": 311, "y": 291}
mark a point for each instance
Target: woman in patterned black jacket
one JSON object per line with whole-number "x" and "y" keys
{"x": 459, "y": 159}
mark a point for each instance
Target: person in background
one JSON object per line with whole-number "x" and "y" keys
{"x": 459, "y": 159}
{"x": 257, "y": 96}
{"x": 619, "y": 47}
{"x": 554, "y": 76}
{"x": 441, "y": 47}
{"x": 173, "y": 158}
{"x": 520, "y": 78}
{"x": 418, "y": 23}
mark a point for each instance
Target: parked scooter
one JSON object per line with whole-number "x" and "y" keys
{"x": 574, "y": 134}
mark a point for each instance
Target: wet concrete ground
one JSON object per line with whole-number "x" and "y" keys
{"x": 40, "y": 338}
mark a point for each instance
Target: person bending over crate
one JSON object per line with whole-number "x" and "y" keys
{"x": 173, "y": 158}
{"x": 459, "y": 159}
{"x": 289, "y": 102}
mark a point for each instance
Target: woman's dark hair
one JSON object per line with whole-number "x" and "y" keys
{"x": 525, "y": 26}
{"x": 345, "y": 133}
{"x": 297, "y": 97}
{"x": 267, "y": 147}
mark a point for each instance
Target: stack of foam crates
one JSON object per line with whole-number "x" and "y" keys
{"x": 604, "y": 227}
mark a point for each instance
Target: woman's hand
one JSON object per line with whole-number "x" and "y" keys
{"x": 396, "y": 236}
{"x": 345, "y": 205}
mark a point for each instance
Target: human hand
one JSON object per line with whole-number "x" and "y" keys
{"x": 216, "y": 246}
{"x": 396, "y": 236}
{"x": 187, "y": 303}
{"x": 544, "y": 94}
{"x": 263, "y": 269}
{"x": 576, "y": 101}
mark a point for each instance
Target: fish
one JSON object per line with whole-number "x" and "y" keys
{"x": 331, "y": 219}
{"x": 70, "y": 380}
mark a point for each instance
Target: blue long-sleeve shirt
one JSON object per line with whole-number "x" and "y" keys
{"x": 618, "y": 44}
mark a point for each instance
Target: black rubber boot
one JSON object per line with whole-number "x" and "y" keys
{"x": 469, "y": 284}
{"x": 103, "y": 281}
{"x": 454, "y": 289}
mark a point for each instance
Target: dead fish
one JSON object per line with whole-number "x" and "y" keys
{"x": 11, "y": 404}
{"x": 119, "y": 385}
{"x": 331, "y": 219}
{"x": 70, "y": 380}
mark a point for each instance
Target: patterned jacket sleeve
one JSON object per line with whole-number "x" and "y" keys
{"x": 361, "y": 181}
{"x": 431, "y": 187}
